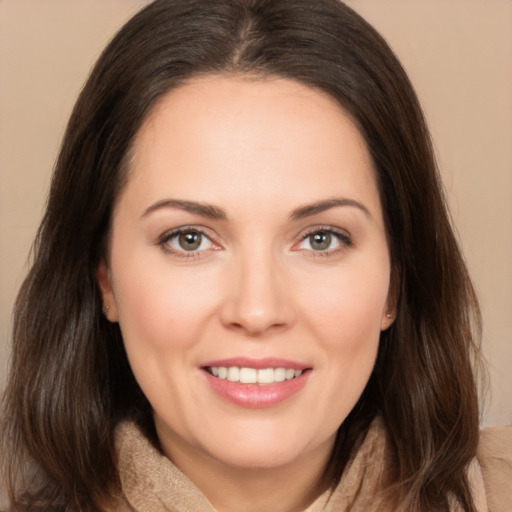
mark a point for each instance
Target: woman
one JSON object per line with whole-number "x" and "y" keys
{"x": 246, "y": 293}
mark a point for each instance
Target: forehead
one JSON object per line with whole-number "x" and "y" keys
{"x": 249, "y": 136}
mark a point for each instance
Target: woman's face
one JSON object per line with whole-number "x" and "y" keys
{"x": 249, "y": 270}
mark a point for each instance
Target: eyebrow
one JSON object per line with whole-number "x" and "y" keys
{"x": 205, "y": 210}
{"x": 321, "y": 206}
{"x": 214, "y": 212}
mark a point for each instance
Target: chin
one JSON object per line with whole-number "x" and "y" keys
{"x": 265, "y": 450}
{"x": 256, "y": 457}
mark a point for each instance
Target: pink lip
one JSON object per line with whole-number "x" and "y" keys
{"x": 266, "y": 362}
{"x": 255, "y": 396}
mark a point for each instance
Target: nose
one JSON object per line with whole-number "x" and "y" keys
{"x": 258, "y": 298}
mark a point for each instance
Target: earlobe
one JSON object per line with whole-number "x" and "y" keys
{"x": 387, "y": 321}
{"x": 390, "y": 313}
{"x": 103, "y": 279}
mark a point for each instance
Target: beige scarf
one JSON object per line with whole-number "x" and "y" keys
{"x": 152, "y": 483}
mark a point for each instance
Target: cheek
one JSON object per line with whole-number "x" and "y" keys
{"x": 350, "y": 306}
{"x": 345, "y": 317}
{"x": 162, "y": 315}
{"x": 159, "y": 309}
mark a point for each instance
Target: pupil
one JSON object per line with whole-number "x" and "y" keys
{"x": 190, "y": 241}
{"x": 320, "y": 241}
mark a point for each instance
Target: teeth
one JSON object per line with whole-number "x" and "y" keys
{"x": 266, "y": 376}
{"x": 253, "y": 376}
{"x": 248, "y": 375}
{"x": 279, "y": 374}
{"x": 233, "y": 374}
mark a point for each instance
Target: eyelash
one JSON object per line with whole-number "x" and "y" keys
{"x": 344, "y": 239}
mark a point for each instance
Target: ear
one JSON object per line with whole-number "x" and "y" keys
{"x": 387, "y": 320}
{"x": 390, "y": 311}
{"x": 104, "y": 282}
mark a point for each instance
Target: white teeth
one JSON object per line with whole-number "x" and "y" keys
{"x": 254, "y": 376}
{"x": 280, "y": 374}
{"x": 233, "y": 374}
{"x": 248, "y": 376}
{"x": 266, "y": 376}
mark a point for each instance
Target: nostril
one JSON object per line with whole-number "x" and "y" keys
{"x": 253, "y": 329}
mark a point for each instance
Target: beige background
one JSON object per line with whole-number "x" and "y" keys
{"x": 458, "y": 54}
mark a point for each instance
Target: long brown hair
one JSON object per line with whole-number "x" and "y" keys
{"x": 70, "y": 382}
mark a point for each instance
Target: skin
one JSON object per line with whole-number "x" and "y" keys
{"x": 259, "y": 150}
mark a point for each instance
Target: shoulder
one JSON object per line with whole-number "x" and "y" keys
{"x": 495, "y": 458}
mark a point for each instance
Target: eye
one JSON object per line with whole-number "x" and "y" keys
{"x": 186, "y": 240}
{"x": 324, "y": 240}
{"x": 320, "y": 241}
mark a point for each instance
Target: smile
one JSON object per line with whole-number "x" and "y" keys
{"x": 261, "y": 376}
{"x": 256, "y": 383}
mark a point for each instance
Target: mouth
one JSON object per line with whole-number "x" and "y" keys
{"x": 248, "y": 375}
{"x": 256, "y": 383}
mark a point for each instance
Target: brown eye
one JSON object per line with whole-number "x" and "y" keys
{"x": 190, "y": 240}
{"x": 320, "y": 241}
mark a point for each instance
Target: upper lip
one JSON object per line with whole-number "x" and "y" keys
{"x": 257, "y": 363}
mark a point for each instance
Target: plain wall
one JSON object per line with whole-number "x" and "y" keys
{"x": 458, "y": 54}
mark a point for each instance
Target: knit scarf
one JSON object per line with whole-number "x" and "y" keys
{"x": 150, "y": 482}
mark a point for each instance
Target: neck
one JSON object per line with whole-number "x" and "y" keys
{"x": 279, "y": 490}
{"x": 290, "y": 487}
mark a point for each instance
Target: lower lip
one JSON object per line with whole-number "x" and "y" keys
{"x": 254, "y": 396}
